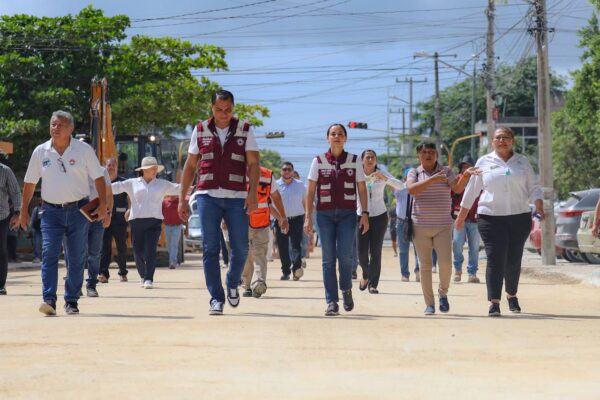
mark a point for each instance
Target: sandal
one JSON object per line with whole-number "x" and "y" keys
{"x": 361, "y": 286}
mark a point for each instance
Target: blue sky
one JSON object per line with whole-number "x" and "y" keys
{"x": 317, "y": 62}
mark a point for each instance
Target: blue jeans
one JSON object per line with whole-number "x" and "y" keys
{"x": 94, "y": 252}
{"x": 471, "y": 234}
{"x": 56, "y": 224}
{"x": 37, "y": 243}
{"x": 173, "y": 236}
{"x": 337, "y": 230}
{"x": 403, "y": 248}
{"x": 355, "y": 248}
{"x": 212, "y": 210}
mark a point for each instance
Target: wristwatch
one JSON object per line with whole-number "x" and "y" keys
{"x": 365, "y": 212}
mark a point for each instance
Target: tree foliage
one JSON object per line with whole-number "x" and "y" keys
{"x": 576, "y": 128}
{"x": 271, "y": 159}
{"x": 46, "y": 64}
{"x": 517, "y": 85}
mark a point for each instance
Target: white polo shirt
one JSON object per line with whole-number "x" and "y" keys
{"x": 146, "y": 197}
{"x": 93, "y": 191}
{"x": 251, "y": 145}
{"x": 64, "y": 178}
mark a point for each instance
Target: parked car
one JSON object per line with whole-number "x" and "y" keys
{"x": 193, "y": 239}
{"x": 589, "y": 246}
{"x": 569, "y": 218}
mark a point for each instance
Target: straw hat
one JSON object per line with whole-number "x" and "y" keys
{"x": 149, "y": 162}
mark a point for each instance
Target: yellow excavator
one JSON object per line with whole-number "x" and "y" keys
{"x": 128, "y": 150}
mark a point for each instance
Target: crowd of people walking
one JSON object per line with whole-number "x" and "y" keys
{"x": 436, "y": 211}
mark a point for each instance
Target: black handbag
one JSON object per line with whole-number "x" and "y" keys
{"x": 407, "y": 228}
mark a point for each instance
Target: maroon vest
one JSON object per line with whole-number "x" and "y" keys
{"x": 222, "y": 166}
{"x": 336, "y": 186}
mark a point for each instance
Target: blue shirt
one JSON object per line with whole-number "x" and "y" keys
{"x": 293, "y": 195}
{"x": 401, "y": 196}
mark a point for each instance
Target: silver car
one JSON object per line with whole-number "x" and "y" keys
{"x": 193, "y": 240}
{"x": 569, "y": 219}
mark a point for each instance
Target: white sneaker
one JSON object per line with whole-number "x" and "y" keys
{"x": 36, "y": 260}
{"x": 298, "y": 273}
{"x": 142, "y": 281}
{"x": 148, "y": 285}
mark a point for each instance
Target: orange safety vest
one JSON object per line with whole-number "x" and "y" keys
{"x": 261, "y": 217}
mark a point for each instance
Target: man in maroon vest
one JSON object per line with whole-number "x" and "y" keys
{"x": 221, "y": 150}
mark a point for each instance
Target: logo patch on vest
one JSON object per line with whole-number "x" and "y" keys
{"x": 46, "y": 162}
{"x": 240, "y": 142}
{"x": 206, "y": 141}
{"x": 326, "y": 172}
{"x": 350, "y": 172}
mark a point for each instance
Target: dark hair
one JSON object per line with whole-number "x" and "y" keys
{"x": 283, "y": 164}
{"x": 426, "y": 145}
{"x": 222, "y": 95}
{"x": 506, "y": 130}
{"x": 362, "y": 155}
{"x": 340, "y": 125}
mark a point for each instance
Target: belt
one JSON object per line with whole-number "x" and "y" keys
{"x": 72, "y": 204}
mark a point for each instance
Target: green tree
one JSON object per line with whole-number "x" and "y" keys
{"x": 576, "y": 128}
{"x": 271, "y": 159}
{"x": 46, "y": 64}
{"x": 517, "y": 84}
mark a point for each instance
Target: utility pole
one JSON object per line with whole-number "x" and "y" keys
{"x": 410, "y": 82}
{"x": 490, "y": 75}
{"x": 474, "y": 105}
{"x": 437, "y": 125}
{"x": 544, "y": 133}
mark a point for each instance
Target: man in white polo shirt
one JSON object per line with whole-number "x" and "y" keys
{"x": 64, "y": 164}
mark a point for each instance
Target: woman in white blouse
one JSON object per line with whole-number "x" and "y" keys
{"x": 371, "y": 243}
{"x": 146, "y": 194}
{"x": 507, "y": 185}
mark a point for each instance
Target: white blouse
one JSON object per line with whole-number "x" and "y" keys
{"x": 506, "y": 187}
{"x": 146, "y": 198}
{"x": 375, "y": 189}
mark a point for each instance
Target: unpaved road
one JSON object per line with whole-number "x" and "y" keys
{"x": 132, "y": 343}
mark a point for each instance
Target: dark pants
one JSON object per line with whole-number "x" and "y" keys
{"x": 504, "y": 238}
{"x": 119, "y": 233}
{"x": 370, "y": 244}
{"x": 145, "y": 233}
{"x": 294, "y": 235}
{"x": 3, "y": 251}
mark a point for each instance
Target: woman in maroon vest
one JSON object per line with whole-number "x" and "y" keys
{"x": 335, "y": 176}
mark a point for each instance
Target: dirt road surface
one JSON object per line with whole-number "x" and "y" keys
{"x": 132, "y": 343}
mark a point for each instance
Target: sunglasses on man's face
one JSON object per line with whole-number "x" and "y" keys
{"x": 286, "y": 169}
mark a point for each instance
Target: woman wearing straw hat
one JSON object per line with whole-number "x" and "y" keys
{"x": 146, "y": 194}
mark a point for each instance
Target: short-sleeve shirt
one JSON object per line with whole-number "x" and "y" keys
{"x": 65, "y": 178}
{"x": 251, "y": 145}
{"x": 292, "y": 195}
{"x": 93, "y": 191}
{"x": 432, "y": 207}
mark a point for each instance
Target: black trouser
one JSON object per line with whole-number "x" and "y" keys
{"x": 119, "y": 232}
{"x": 3, "y": 251}
{"x": 370, "y": 244}
{"x": 504, "y": 238}
{"x": 294, "y": 235}
{"x": 145, "y": 233}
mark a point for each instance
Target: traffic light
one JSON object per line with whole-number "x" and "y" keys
{"x": 357, "y": 125}
{"x": 274, "y": 135}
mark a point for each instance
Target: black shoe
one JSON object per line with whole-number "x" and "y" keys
{"x": 233, "y": 297}
{"x": 2, "y": 291}
{"x": 361, "y": 287}
{"x": 444, "y": 305}
{"x": 91, "y": 292}
{"x": 348, "y": 302}
{"x": 71, "y": 308}
{"x": 373, "y": 290}
{"x": 285, "y": 277}
{"x": 494, "y": 310}
{"x": 48, "y": 307}
{"x": 247, "y": 293}
{"x": 513, "y": 305}
{"x": 332, "y": 309}
{"x": 354, "y": 275}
